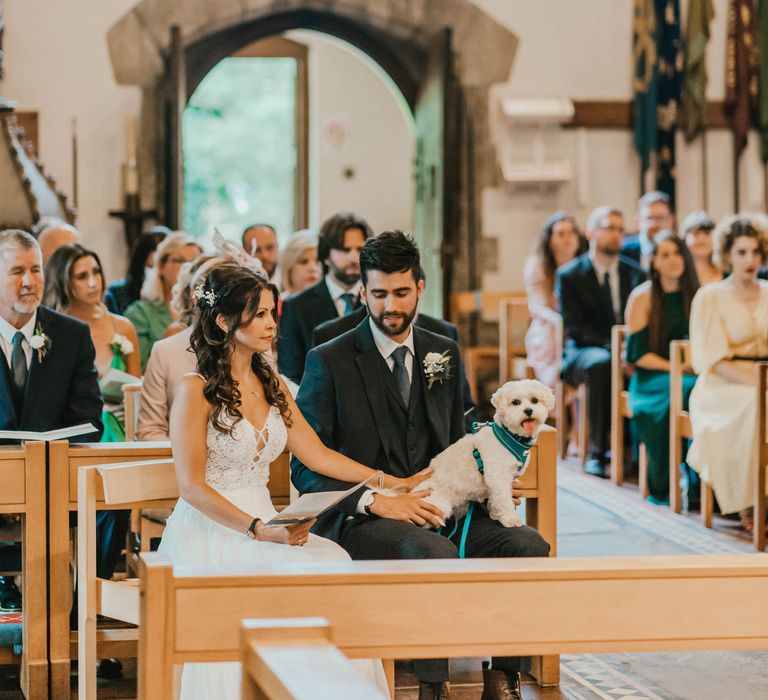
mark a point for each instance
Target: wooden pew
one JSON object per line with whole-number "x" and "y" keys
{"x": 131, "y": 404}
{"x": 297, "y": 660}
{"x": 619, "y": 411}
{"x": 64, "y": 460}
{"x": 578, "y": 605}
{"x": 22, "y": 475}
{"x": 128, "y": 485}
{"x": 514, "y": 319}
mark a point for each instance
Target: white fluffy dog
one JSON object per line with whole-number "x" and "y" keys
{"x": 521, "y": 407}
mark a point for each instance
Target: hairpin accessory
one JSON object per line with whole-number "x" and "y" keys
{"x": 200, "y": 293}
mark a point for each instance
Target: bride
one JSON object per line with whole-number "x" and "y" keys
{"x": 229, "y": 421}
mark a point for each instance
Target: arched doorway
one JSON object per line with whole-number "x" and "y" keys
{"x": 445, "y": 85}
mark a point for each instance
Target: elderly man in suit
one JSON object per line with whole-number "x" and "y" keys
{"x": 592, "y": 290}
{"x": 367, "y": 395}
{"x": 337, "y": 294}
{"x": 48, "y": 379}
{"x": 654, "y": 214}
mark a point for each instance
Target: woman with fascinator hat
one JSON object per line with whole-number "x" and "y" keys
{"x": 229, "y": 421}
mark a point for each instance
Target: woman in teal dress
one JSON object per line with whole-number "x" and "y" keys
{"x": 657, "y": 313}
{"x": 74, "y": 285}
{"x": 152, "y": 313}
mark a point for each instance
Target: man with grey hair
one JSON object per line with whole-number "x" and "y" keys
{"x": 48, "y": 379}
{"x": 593, "y": 291}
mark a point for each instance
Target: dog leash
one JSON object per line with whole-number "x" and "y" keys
{"x": 518, "y": 447}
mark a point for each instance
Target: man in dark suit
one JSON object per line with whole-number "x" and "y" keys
{"x": 48, "y": 378}
{"x": 366, "y": 395}
{"x": 337, "y": 294}
{"x": 654, "y": 214}
{"x": 337, "y": 326}
{"x": 593, "y": 290}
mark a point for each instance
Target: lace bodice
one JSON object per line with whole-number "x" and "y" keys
{"x": 241, "y": 462}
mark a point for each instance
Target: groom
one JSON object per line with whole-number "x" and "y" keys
{"x": 366, "y": 395}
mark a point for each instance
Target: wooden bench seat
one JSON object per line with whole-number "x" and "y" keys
{"x": 457, "y": 608}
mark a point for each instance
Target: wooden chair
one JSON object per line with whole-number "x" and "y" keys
{"x": 64, "y": 460}
{"x": 758, "y": 536}
{"x": 620, "y": 410}
{"x": 22, "y": 475}
{"x": 514, "y": 319}
{"x": 477, "y": 357}
{"x": 130, "y": 484}
{"x": 412, "y": 615}
{"x": 272, "y": 650}
{"x": 679, "y": 421}
{"x": 131, "y": 404}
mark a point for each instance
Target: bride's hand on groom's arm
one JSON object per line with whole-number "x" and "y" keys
{"x": 294, "y": 535}
{"x": 409, "y": 507}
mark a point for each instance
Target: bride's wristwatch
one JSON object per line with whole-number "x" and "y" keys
{"x": 251, "y": 531}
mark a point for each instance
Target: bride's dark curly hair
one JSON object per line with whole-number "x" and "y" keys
{"x": 234, "y": 292}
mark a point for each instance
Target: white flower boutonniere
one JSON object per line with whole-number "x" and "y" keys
{"x": 437, "y": 367}
{"x": 40, "y": 343}
{"x": 121, "y": 345}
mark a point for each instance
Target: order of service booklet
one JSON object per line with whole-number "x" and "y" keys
{"x": 111, "y": 384}
{"x": 310, "y": 505}
{"x": 49, "y": 435}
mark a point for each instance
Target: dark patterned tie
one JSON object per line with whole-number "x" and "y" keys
{"x": 401, "y": 374}
{"x": 349, "y": 303}
{"x": 19, "y": 363}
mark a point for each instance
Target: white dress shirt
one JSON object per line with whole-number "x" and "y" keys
{"x": 7, "y": 331}
{"x": 336, "y": 290}
{"x": 646, "y": 249}
{"x": 613, "y": 277}
{"x": 386, "y": 346}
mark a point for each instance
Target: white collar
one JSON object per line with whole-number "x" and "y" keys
{"x": 612, "y": 269}
{"x": 7, "y": 331}
{"x": 336, "y": 290}
{"x": 386, "y": 345}
{"x": 646, "y": 244}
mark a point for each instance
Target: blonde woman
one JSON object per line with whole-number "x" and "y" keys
{"x": 299, "y": 264}
{"x": 152, "y": 314}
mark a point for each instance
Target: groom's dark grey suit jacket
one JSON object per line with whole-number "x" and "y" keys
{"x": 343, "y": 396}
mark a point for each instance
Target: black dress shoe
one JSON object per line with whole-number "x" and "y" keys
{"x": 500, "y": 685}
{"x": 109, "y": 669}
{"x": 434, "y": 691}
{"x": 10, "y": 596}
{"x": 595, "y": 467}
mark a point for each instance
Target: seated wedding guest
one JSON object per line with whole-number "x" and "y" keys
{"x": 222, "y": 458}
{"x": 151, "y": 314}
{"x": 559, "y": 242}
{"x": 337, "y": 294}
{"x": 697, "y": 233}
{"x": 49, "y": 380}
{"x": 729, "y": 333}
{"x": 299, "y": 265}
{"x": 53, "y": 234}
{"x": 121, "y": 294}
{"x": 172, "y": 357}
{"x": 657, "y": 313}
{"x": 260, "y": 241}
{"x": 74, "y": 285}
{"x": 654, "y": 214}
{"x": 592, "y": 292}
{"x": 182, "y": 301}
{"x": 365, "y": 395}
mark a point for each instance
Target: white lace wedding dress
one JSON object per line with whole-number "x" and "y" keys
{"x": 238, "y": 468}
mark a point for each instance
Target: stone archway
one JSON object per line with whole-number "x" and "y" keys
{"x": 394, "y": 33}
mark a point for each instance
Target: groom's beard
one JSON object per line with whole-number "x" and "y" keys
{"x": 392, "y": 329}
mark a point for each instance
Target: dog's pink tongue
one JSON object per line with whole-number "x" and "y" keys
{"x": 529, "y": 425}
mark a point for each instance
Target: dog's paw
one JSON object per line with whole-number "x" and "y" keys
{"x": 508, "y": 519}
